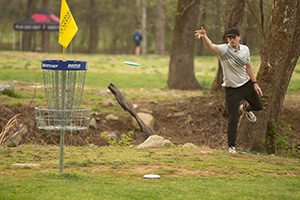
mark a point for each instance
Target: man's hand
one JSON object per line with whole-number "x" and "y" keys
{"x": 200, "y": 33}
{"x": 258, "y": 90}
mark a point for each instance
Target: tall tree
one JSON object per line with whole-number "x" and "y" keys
{"x": 93, "y": 19}
{"x": 160, "y": 28}
{"x": 181, "y": 68}
{"x": 279, "y": 57}
{"x": 233, "y": 18}
{"x": 45, "y": 34}
{"x": 142, "y": 19}
{"x": 203, "y": 22}
{"x": 28, "y": 34}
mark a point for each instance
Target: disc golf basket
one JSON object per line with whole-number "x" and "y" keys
{"x": 64, "y": 84}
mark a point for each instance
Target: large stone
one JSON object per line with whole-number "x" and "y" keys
{"x": 154, "y": 141}
{"x": 148, "y": 119}
{"x": 111, "y": 117}
{"x": 6, "y": 86}
{"x": 93, "y": 123}
{"x": 189, "y": 145}
{"x": 109, "y": 134}
{"x": 17, "y": 137}
{"x": 104, "y": 93}
{"x": 109, "y": 102}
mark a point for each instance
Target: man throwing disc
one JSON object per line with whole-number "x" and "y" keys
{"x": 238, "y": 79}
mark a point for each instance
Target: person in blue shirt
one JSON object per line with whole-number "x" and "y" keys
{"x": 137, "y": 37}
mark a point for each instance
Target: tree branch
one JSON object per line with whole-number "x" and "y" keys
{"x": 260, "y": 26}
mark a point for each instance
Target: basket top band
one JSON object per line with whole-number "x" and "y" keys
{"x": 68, "y": 65}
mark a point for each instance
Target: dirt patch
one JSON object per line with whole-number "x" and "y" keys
{"x": 200, "y": 120}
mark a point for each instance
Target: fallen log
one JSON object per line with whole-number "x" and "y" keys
{"x": 127, "y": 106}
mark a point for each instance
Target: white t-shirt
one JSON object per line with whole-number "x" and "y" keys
{"x": 234, "y": 64}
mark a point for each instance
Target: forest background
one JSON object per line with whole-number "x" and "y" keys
{"x": 107, "y": 26}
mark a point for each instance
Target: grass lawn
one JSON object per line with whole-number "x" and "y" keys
{"x": 104, "y": 69}
{"x": 117, "y": 173}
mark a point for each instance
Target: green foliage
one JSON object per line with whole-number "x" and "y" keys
{"x": 281, "y": 140}
{"x": 12, "y": 93}
{"x": 125, "y": 140}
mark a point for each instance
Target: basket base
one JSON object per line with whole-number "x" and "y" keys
{"x": 51, "y": 119}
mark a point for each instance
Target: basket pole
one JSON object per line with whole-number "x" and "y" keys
{"x": 61, "y": 157}
{"x": 63, "y": 109}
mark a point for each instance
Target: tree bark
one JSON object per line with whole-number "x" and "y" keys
{"x": 181, "y": 68}
{"x": 233, "y": 18}
{"x": 203, "y": 22}
{"x": 45, "y": 34}
{"x": 279, "y": 57}
{"x": 142, "y": 19}
{"x": 28, "y": 34}
{"x": 160, "y": 28}
{"x": 94, "y": 35}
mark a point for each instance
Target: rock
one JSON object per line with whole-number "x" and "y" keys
{"x": 6, "y": 86}
{"x": 144, "y": 110}
{"x": 17, "y": 137}
{"x": 109, "y": 102}
{"x": 104, "y": 93}
{"x": 189, "y": 145}
{"x": 111, "y": 135}
{"x": 148, "y": 119}
{"x": 179, "y": 114}
{"x": 93, "y": 123}
{"x": 111, "y": 117}
{"x": 154, "y": 141}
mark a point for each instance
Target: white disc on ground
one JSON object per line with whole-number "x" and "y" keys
{"x": 151, "y": 176}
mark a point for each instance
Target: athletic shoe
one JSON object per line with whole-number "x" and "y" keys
{"x": 232, "y": 150}
{"x": 250, "y": 116}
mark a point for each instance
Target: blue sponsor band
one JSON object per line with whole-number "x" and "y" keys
{"x": 64, "y": 65}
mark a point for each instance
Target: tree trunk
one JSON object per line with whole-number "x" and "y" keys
{"x": 94, "y": 35}
{"x": 233, "y": 18}
{"x": 142, "y": 19}
{"x": 28, "y": 34}
{"x": 160, "y": 28}
{"x": 181, "y": 69}
{"x": 279, "y": 57}
{"x": 203, "y": 22}
{"x": 45, "y": 34}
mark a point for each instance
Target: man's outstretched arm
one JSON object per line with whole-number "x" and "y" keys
{"x": 208, "y": 43}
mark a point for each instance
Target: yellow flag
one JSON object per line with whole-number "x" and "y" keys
{"x": 67, "y": 26}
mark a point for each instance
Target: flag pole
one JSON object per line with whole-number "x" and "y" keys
{"x": 63, "y": 53}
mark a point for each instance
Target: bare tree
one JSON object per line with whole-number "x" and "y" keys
{"x": 45, "y": 34}
{"x": 233, "y": 18}
{"x": 93, "y": 19}
{"x": 160, "y": 28}
{"x": 203, "y": 22}
{"x": 279, "y": 57}
{"x": 28, "y": 34}
{"x": 181, "y": 69}
{"x": 142, "y": 19}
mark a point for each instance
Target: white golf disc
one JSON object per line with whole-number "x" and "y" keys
{"x": 152, "y": 176}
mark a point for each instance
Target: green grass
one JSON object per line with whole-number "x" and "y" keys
{"x": 58, "y": 187}
{"x": 117, "y": 173}
{"x": 104, "y": 69}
